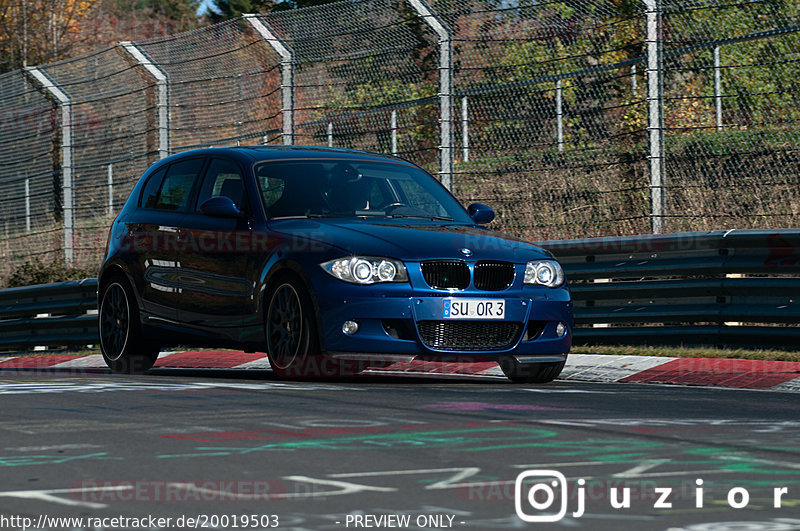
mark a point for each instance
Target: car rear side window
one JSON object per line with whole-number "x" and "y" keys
{"x": 223, "y": 178}
{"x": 177, "y": 185}
{"x": 150, "y": 190}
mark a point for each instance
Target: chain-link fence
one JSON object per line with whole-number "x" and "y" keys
{"x": 572, "y": 119}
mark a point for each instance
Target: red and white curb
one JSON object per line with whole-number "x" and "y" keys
{"x": 712, "y": 372}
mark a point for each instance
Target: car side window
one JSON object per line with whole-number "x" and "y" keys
{"x": 223, "y": 178}
{"x": 150, "y": 190}
{"x": 177, "y": 185}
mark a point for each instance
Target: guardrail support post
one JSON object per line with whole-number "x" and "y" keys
{"x": 655, "y": 113}
{"x": 287, "y": 73}
{"x": 162, "y": 101}
{"x": 445, "y": 89}
{"x": 68, "y": 206}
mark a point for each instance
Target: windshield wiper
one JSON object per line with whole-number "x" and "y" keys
{"x": 310, "y": 216}
{"x": 420, "y": 216}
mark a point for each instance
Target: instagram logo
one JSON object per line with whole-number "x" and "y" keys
{"x": 538, "y": 490}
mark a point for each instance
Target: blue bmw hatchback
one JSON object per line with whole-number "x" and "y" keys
{"x": 326, "y": 259}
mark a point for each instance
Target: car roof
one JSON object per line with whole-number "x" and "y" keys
{"x": 259, "y": 152}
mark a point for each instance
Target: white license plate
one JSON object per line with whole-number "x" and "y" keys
{"x": 474, "y": 309}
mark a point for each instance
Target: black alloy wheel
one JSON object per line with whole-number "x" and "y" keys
{"x": 121, "y": 343}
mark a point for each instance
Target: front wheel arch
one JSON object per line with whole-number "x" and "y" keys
{"x": 290, "y": 269}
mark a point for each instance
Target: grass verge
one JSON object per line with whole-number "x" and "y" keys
{"x": 689, "y": 352}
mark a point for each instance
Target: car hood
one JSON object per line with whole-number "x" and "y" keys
{"x": 410, "y": 240}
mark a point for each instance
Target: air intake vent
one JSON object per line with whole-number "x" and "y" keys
{"x": 469, "y": 335}
{"x": 446, "y": 274}
{"x": 494, "y": 276}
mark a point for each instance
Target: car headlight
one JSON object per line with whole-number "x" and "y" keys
{"x": 544, "y": 272}
{"x": 367, "y": 269}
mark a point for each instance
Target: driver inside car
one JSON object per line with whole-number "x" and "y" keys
{"x": 349, "y": 190}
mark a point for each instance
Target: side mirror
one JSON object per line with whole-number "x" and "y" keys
{"x": 220, "y": 207}
{"x": 480, "y": 213}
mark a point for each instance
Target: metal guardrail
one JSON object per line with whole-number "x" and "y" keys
{"x": 726, "y": 288}
{"x": 61, "y": 314}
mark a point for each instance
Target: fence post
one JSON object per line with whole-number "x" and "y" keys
{"x": 111, "y": 189}
{"x": 394, "y": 132}
{"x": 27, "y": 203}
{"x": 330, "y": 134}
{"x": 445, "y": 89}
{"x": 162, "y": 101}
{"x": 717, "y": 88}
{"x": 559, "y": 118}
{"x": 655, "y": 115}
{"x": 68, "y": 205}
{"x": 465, "y": 129}
{"x": 633, "y": 79}
{"x": 287, "y": 74}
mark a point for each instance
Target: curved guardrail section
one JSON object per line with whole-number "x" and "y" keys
{"x": 725, "y": 288}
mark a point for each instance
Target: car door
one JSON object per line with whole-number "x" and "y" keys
{"x": 213, "y": 255}
{"x": 163, "y": 205}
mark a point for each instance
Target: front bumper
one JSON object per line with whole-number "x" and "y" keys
{"x": 388, "y": 325}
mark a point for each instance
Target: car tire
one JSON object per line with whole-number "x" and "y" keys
{"x": 531, "y": 372}
{"x": 121, "y": 341}
{"x": 292, "y": 343}
{"x": 290, "y": 330}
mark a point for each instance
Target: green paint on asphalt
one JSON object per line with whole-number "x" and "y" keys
{"x": 428, "y": 439}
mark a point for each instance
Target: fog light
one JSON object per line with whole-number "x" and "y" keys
{"x": 350, "y": 327}
{"x": 561, "y": 329}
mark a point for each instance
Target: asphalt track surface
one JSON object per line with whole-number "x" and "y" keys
{"x": 368, "y": 452}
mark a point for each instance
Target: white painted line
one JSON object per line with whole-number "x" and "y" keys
{"x": 259, "y": 364}
{"x": 345, "y": 487}
{"x": 791, "y": 385}
{"x": 49, "y": 495}
{"x": 493, "y": 371}
{"x": 93, "y": 361}
{"x": 608, "y": 368}
{"x": 449, "y": 483}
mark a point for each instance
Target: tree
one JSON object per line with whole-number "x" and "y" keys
{"x": 299, "y": 4}
{"x": 227, "y": 9}
{"x": 39, "y": 31}
{"x": 131, "y": 20}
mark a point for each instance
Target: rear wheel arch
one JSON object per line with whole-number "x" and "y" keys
{"x": 114, "y": 271}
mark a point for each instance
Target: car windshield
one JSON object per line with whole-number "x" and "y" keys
{"x": 352, "y": 188}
